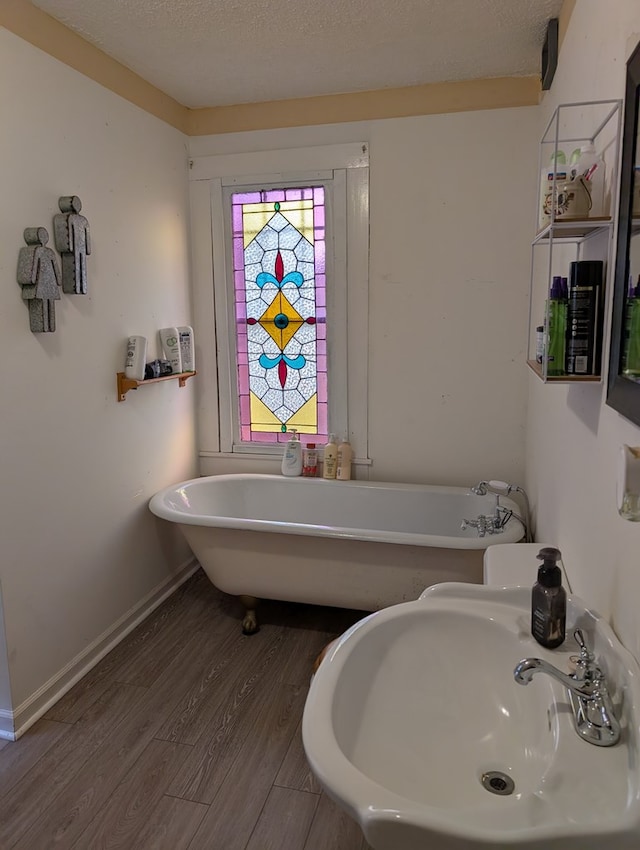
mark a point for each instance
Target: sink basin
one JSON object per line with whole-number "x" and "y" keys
{"x": 415, "y": 725}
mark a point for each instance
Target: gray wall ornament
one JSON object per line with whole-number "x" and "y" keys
{"x": 72, "y": 238}
{"x": 39, "y": 277}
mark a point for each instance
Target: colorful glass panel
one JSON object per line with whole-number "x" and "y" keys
{"x": 279, "y": 279}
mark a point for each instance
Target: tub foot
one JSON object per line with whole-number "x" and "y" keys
{"x": 250, "y": 620}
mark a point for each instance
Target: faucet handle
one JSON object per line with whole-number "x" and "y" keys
{"x": 585, "y": 652}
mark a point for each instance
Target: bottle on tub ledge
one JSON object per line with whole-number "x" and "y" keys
{"x": 310, "y": 461}
{"x": 344, "y": 456}
{"x": 292, "y": 458}
{"x": 330, "y": 459}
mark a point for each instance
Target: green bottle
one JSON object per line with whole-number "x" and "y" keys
{"x": 631, "y": 349}
{"x": 557, "y": 313}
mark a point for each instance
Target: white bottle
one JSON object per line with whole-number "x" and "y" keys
{"x": 591, "y": 166}
{"x": 170, "y": 344}
{"x": 136, "y": 358}
{"x": 187, "y": 349}
{"x": 343, "y": 470}
{"x": 553, "y": 177}
{"x": 292, "y": 458}
{"x": 330, "y": 458}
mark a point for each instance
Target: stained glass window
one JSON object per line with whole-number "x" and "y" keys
{"x": 279, "y": 272}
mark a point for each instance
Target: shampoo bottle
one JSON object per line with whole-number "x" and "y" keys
{"x": 343, "y": 468}
{"x": 292, "y": 458}
{"x": 557, "y": 313}
{"x": 330, "y": 458}
{"x": 170, "y": 345}
{"x": 549, "y": 601}
{"x": 136, "y": 358}
{"x": 187, "y": 350}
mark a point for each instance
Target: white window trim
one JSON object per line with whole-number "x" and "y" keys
{"x": 209, "y": 177}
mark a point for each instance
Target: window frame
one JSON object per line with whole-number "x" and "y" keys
{"x": 344, "y": 172}
{"x": 334, "y": 183}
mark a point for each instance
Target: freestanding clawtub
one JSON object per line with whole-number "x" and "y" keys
{"x": 351, "y": 544}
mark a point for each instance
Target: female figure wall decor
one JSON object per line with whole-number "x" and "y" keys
{"x": 39, "y": 277}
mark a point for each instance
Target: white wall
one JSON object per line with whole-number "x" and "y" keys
{"x": 573, "y": 437}
{"x": 79, "y": 547}
{"x": 450, "y": 207}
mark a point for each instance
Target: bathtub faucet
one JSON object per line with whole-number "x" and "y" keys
{"x": 501, "y": 488}
{"x": 593, "y": 715}
{"x": 488, "y": 524}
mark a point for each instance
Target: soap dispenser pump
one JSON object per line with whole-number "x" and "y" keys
{"x": 292, "y": 458}
{"x": 549, "y": 601}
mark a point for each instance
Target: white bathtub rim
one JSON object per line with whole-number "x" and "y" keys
{"x": 513, "y": 532}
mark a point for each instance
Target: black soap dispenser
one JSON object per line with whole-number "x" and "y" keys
{"x": 549, "y": 601}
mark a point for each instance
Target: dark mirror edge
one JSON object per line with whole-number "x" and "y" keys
{"x": 623, "y": 395}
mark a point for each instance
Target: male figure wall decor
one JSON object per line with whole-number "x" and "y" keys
{"x": 39, "y": 277}
{"x": 72, "y": 238}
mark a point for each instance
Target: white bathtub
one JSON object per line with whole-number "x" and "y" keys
{"x": 351, "y": 544}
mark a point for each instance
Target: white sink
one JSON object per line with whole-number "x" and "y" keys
{"x": 417, "y": 702}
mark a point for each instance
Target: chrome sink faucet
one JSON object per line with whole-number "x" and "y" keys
{"x": 593, "y": 714}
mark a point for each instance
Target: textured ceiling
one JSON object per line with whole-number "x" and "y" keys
{"x": 217, "y": 52}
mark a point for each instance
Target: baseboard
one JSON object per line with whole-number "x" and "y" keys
{"x": 14, "y": 724}
{"x": 6, "y": 725}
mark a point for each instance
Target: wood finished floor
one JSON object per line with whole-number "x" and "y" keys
{"x": 185, "y": 737}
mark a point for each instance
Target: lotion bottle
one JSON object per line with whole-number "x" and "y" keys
{"x": 330, "y": 458}
{"x": 549, "y": 601}
{"x": 292, "y": 458}
{"x": 343, "y": 469}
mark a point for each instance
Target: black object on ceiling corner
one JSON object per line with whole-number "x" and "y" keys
{"x": 550, "y": 54}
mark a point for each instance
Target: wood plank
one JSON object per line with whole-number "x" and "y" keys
{"x": 226, "y": 725}
{"x": 127, "y": 811}
{"x": 284, "y": 820}
{"x": 239, "y": 658}
{"x": 232, "y": 816}
{"x": 22, "y": 805}
{"x": 17, "y": 759}
{"x": 195, "y": 593}
{"x": 67, "y": 817}
{"x": 333, "y": 829}
{"x": 295, "y": 772}
{"x": 171, "y": 825}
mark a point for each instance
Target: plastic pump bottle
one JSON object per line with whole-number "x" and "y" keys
{"x": 591, "y": 166}
{"x": 292, "y": 458}
{"x": 330, "y": 458}
{"x": 549, "y": 601}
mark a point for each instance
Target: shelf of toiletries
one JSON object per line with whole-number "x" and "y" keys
{"x": 572, "y": 246}
{"x": 176, "y": 361}
{"x": 125, "y": 384}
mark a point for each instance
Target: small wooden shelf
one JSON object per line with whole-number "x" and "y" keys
{"x": 125, "y": 384}
{"x": 562, "y": 379}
